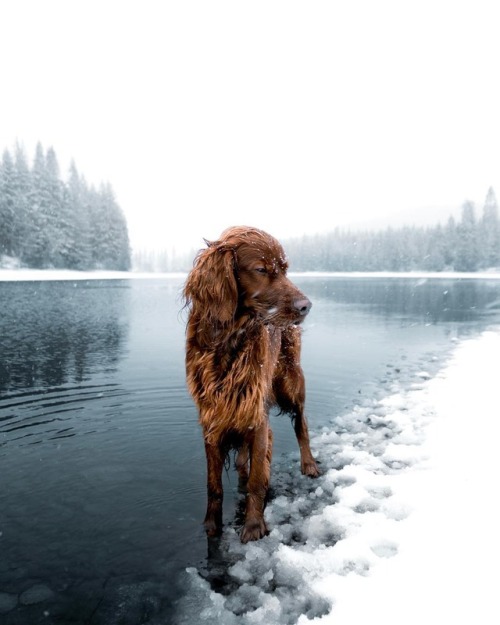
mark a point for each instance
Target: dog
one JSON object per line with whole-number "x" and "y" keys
{"x": 242, "y": 357}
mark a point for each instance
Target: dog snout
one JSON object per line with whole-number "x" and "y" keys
{"x": 302, "y": 305}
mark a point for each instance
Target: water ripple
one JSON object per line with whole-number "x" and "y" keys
{"x": 55, "y": 413}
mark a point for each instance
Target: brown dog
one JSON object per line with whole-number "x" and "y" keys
{"x": 242, "y": 357}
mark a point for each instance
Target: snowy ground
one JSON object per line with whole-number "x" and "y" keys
{"x": 402, "y": 527}
{"x": 12, "y": 274}
{"x": 29, "y": 275}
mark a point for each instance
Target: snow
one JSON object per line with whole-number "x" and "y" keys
{"x": 28, "y": 275}
{"x": 417, "y": 275}
{"x": 10, "y": 273}
{"x": 402, "y": 527}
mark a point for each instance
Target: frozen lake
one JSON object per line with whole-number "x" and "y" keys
{"x": 102, "y": 462}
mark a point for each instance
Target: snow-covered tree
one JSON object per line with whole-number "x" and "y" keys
{"x": 36, "y": 244}
{"x": 108, "y": 231}
{"x": 489, "y": 229}
{"x": 49, "y": 223}
{"x": 7, "y": 205}
{"x": 77, "y": 251}
{"x": 22, "y": 184}
{"x": 467, "y": 250}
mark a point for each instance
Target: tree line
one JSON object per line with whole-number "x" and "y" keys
{"x": 471, "y": 243}
{"x": 162, "y": 261}
{"x": 46, "y": 222}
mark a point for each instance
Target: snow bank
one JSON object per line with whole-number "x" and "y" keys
{"x": 29, "y": 275}
{"x": 493, "y": 274}
{"x": 401, "y": 527}
{"x": 11, "y": 274}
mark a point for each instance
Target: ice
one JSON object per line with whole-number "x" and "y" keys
{"x": 402, "y": 525}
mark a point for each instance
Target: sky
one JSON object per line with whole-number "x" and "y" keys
{"x": 296, "y": 117}
{"x": 416, "y": 526}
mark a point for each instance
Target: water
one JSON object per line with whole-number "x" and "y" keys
{"x": 102, "y": 466}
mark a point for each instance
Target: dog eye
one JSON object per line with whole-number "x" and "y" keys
{"x": 261, "y": 269}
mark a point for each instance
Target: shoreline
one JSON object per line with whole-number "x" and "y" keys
{"x": 401, "y": 525}
{"x": 34, "y": 275}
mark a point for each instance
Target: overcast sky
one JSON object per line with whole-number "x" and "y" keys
{"x": 291, "y": 116}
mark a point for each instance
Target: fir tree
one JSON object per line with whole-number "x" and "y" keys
{"x": 108, "y": 232}
{"x": 490, "y": 232}
{"x": 39, "y": 228}
{"x": 7, "y": 205}
{"x": 450, "y": 243}
{"x": 48, "y": 223}
{"x": 78, "y": 253}
{"x": 434, "y": 258}
{"x": 467, "y": 251}
{"x": 22, "y": 184}
{"x": 58, "y": 219}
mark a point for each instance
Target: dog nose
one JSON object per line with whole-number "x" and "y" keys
{"x": 303, "y": 305}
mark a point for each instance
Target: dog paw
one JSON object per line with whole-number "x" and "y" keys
{"x": 253, "y": 529}
{"x": 310, "y": 468}
{"x": 212, "y": 528}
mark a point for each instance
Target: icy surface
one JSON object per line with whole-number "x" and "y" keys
{"x": 402, "y": 527}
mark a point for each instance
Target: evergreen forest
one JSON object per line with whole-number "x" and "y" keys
{"x": 471, "y": 243}
{"x": 46, "y": 222}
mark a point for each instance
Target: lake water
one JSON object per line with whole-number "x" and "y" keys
{"x": 102, "y": 467}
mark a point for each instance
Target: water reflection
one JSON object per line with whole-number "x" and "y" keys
{"x": 52, "y": 334}
{"x": 432, "y": 301}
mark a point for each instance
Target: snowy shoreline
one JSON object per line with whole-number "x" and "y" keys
{"x": 47, "y": 275}
{"x": 442, "y": 571}
{"x": 401, "y": 527}
{"x": 32, "y": 275}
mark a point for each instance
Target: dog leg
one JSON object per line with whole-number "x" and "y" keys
{"x": 308, "y": 464}
{"x": 290, "y": 391}
{"x": 261, "y": 450}
{"x": 290, "y": 396}
{"x": 242, "y": 463}
{"x": 215, "y": 464}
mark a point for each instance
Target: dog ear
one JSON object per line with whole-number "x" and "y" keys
{"x": 211, "y": 287}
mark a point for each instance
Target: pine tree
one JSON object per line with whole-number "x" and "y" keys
{"x": 109, "y": 234}
{"x": 58, "y": 214}
{"x": 48, "y": 223}
{"x": 7, "y": 205}
{"x": 434, "y": 259}
{"x": 450, "y": 243}
{"x": 78, "y": 254}
{"x": 22, "y": 185}
{"x": 490, "y": 232}
{"x": 37, "y": 244}
{"x": 467, "y": 250}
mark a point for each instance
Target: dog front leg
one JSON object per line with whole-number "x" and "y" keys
{"x": 308, "y": 464}
{"x": 261, "y": 449}
{"x": 215, "y": 464}
{"x": 290, "y": 391}
{"x": 242, "y": 464}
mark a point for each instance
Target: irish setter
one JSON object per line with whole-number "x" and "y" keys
{"x": 242, "y": 357}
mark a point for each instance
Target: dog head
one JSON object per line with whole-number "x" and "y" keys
{"x": 244, "y": 273}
